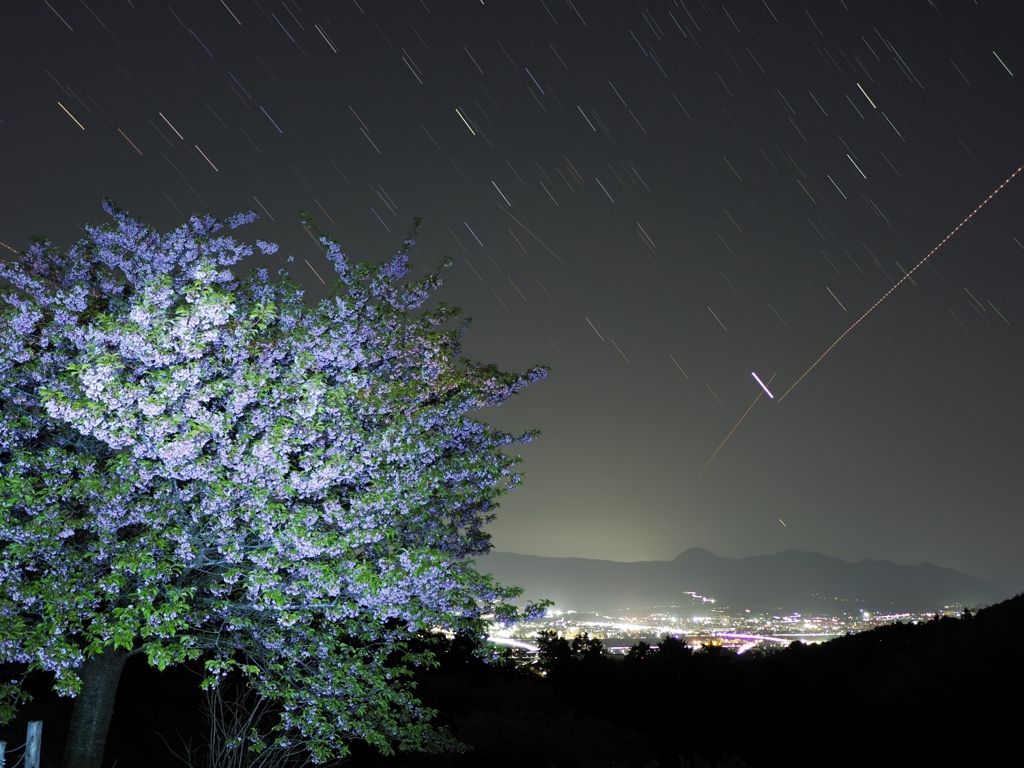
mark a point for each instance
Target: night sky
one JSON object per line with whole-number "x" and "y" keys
{"x": 655, "y": 199}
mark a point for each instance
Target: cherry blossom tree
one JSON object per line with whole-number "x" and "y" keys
{"x": 195, "y": 466}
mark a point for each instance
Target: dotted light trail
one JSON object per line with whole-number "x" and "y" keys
{"x": 898, "y": 283}
{"x": 749, "y": 409}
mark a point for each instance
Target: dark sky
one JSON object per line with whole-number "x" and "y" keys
{"x": 656, "y": 199}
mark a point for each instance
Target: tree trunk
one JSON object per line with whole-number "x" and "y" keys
{"x": 90, "y": 716}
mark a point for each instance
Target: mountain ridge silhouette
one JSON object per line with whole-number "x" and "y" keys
{"x": 791, "y": 580}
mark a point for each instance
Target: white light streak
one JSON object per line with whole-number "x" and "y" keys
{"x": 855, "y": 165}
{"x": 678, "y": 366}
{"x": 206, "y": 158}
{"x": 534, "y": 81}
{"x": 837, "y": 187}
{"x": 71, "y": 116}
{"x": 172, "y": 127}
{"x": 459, "y": 113}
{"x": 716, "y": 318}
{"x": 758, "y": 380}
{"x": 502, "y": 195}
{"x": 1002, "y": 62}
{"x": 872, "y": 103}
{"x": 619, "y": 350}
{"x": 275, "y": 122}
{"x": 60, "y": 17}
{"x": 836, "y": 297}
{"x": 228, "y": 9}
{"x": 473, "y": 234}
{"x": 603, "y": 189}
{"x": 585, "y": 117}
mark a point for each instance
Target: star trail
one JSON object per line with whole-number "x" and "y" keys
{"x": 654, "y": 198}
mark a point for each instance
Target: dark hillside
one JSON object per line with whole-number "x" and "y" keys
{"x": 941, "y": 692}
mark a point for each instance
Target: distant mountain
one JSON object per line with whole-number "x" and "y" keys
{"x": 793, "y": 580}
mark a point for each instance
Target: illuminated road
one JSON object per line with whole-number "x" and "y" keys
{"x": 514, "y": 643}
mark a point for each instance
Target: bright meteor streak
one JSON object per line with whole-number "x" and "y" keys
{"x": 762, "y": 385}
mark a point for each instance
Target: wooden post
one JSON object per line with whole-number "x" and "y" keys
{"x": 33, "y": 742}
